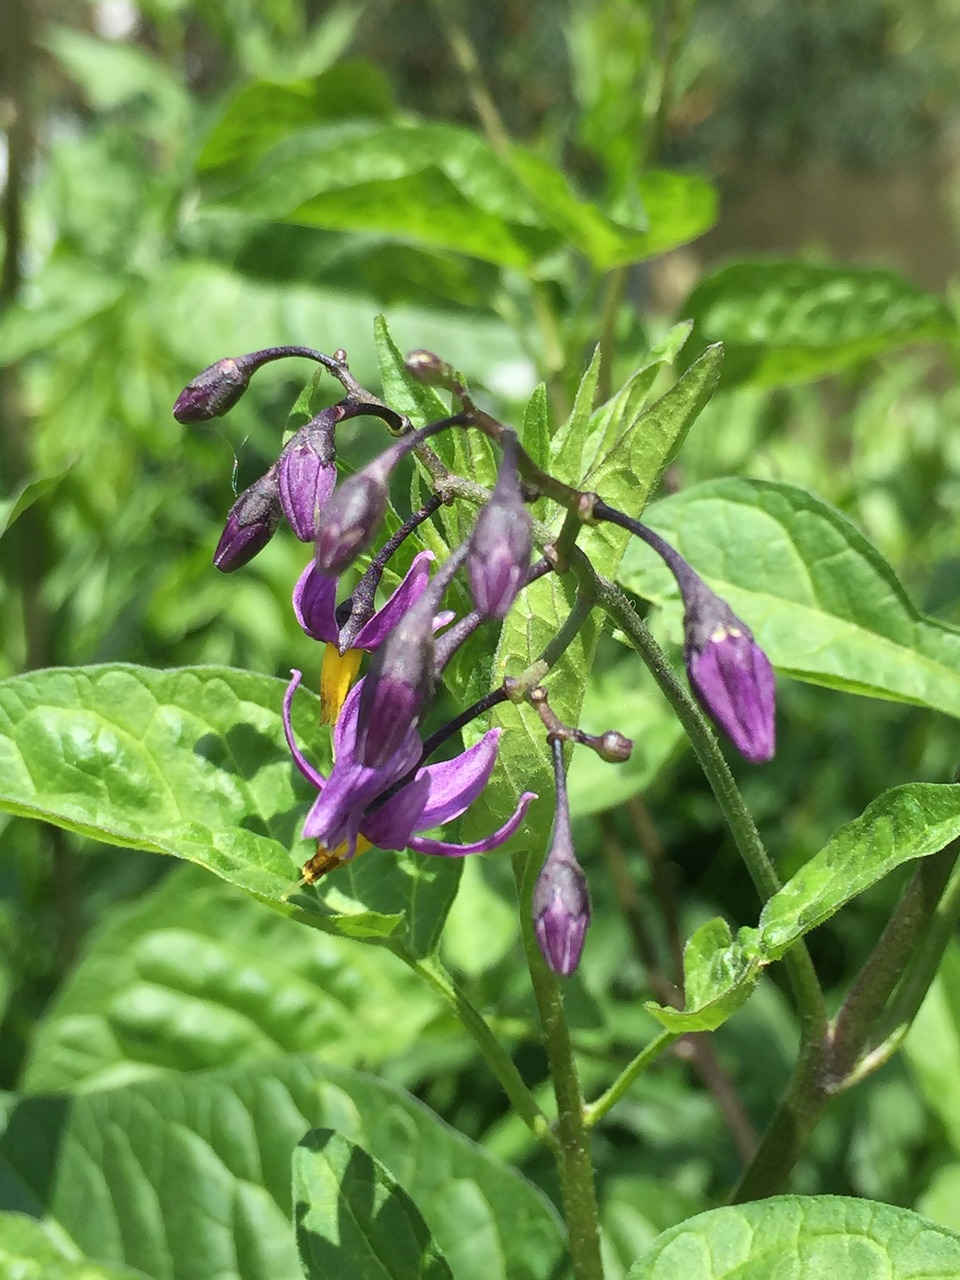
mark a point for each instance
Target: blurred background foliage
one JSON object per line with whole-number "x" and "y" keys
{"x": 144, "y": 237}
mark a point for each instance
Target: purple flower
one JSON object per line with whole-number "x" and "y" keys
{"x": 315, "y": 604}
{"x": 346, "y": 816}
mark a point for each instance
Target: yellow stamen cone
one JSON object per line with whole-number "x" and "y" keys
{"x": 336, "y": 676}
{"x": 323, "y": 861}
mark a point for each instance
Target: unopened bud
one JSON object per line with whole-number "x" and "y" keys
{"x": 307, "y": 473}
{"x": 561, "y": 913}
{"x": 349, "y": 522}
{"x": 398, "y": 686}
{"x": 501, "y": 542}
{"x": 213, "y": 392}
{"x": 612, "y": 747}
{"x": 733, "y": 678}
{"x": 251, "y": 523}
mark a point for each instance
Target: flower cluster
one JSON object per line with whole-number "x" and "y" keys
{"x": 383, "y": 790}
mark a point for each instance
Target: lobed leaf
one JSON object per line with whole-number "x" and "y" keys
{"x": 784, "y": 322}
{"x": 352, "y": 1218}
{"x": 805, "y": 1238}
{"x": 822, "y": 602}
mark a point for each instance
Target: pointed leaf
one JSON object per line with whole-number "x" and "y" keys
{"x": 822, "y": 602}
{"x": 353, "y": 1219}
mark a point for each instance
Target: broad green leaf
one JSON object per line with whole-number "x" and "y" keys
{"x": 196, "y": 975}
{"x": 784, "y": 322}
{"x": 193, "y": 763}
{"x": 189, "y": 1176}
{"x": 29, "y": 1251}
{"x": 264, "y": 113}
{"x": 805, "y": 1238}
{"x": 821, "y": 601}
{"x": 903, "y": 824}
{"x": 353, "y": 1219}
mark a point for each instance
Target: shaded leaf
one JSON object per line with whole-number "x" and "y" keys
{"x": 352, "y": 1218}
{"x": 190, "y": 1175}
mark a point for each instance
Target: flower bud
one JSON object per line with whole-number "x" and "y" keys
{"x": 251, "y": 523}
{"x": 502, "y": 541}
{"x": 561, "y": 913}
{"x": 613, "y": 747}
{"x": 732, "y": 677}
{"x": 398, "y": 686}
{"x": 307, "y": 473}
{"x": 349, "y": 522}
{"x": 213, "y": 392}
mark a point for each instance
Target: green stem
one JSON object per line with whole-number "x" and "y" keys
{"x": 595, "y": 1111}
{"x": 493, "y": 1051}
{"x": 574, "y": 1161}
{"x": 799, "y": 966}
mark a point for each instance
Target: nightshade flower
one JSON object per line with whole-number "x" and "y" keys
{"x": 561, "y": 899}
{"x": 731, "y": 675}
{"x": 501, "y": 542}
{"x": 307, "y": 473}
{"x": 315, "y": 604}
{"x": 251, "y": 523}
{"x": 346, "y": 819}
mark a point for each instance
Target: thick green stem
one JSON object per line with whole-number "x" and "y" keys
{"x": 574, "y": 1161}
{"x": 493, "y": 1051}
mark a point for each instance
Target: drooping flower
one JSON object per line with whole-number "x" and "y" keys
{"x": 350, "y": 815}
{"x": 315, "y": 604}
{"x": 502, "y": 541}
{"x": 561, "y": 899}
{"x": 251, "y": 523}
{"x": 731, "y": 676}
{"x": 307, "y": 472}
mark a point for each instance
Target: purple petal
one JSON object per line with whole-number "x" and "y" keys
{"x": 299, "y": 759}
{"x": 315, "y": 604}
{"x": 391, "y": 825}
{"x": 373, "y": 633}
{"x": 442, "y": 847}
{"x": 734, "y": 681}
{"x": 456, "y": 783}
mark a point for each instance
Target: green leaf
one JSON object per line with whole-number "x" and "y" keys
{"x": 805, "y": 1238}
{"x": 535, "y": 436}
{"x": 353, "y": 1219}
{"x": 784, "y": 322}
{"x": 193, "y": 763}
{"x": 29, "y": 1251}
{"x": 25, "y": 496}
{"x": 189, "y": 1176}
{"x": 196, "y": 975}
{"x": 821, "y": 601}
{"x": 264, "y": 113}
{"x": 567, "y": 445}
{"x": 903, "y": 824}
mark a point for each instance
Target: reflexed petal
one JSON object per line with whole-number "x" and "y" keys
{"x": 442, "y": 847}
{"x": 299, "y": 759}
{"x": 315, "y": 604}
{"x": 373, "y": 633}
{"x": 456, "y": 783}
